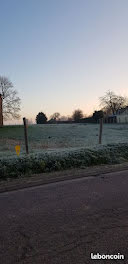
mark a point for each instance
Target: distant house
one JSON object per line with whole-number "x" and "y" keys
{"x": 110, "y": 119}
{"x": 122, "y": 115}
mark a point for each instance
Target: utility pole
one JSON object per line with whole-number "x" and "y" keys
{"x": 1, "y": 111}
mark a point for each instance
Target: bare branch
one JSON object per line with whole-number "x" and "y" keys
{"x": 111, "y": 102}
{"x": 11, "y": 101}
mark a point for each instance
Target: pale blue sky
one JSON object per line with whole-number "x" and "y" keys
{"x": 64, "y": 54}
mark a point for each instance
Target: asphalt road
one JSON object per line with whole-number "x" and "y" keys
{"x": 64, "y": 222}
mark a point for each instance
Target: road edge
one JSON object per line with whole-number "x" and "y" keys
{"x": 53, "y": 177}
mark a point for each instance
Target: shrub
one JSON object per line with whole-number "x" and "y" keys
{"x": 54, "y": 161}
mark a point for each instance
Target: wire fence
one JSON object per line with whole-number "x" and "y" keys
{"x": 49, "y": 137}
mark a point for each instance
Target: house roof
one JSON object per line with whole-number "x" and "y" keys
{"x": 122, "y": 110}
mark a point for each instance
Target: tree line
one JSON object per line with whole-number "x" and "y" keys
{"x": 41, "y": 118}
{"x": 110, "y": 103}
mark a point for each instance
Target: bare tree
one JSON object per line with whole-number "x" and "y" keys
{"x": 77, "y": 115}
{"x": 111, "y": 102}
{"x": 55, "y": 116}
{"x": 63, "y": 118}
{"x": 11, "y": 101}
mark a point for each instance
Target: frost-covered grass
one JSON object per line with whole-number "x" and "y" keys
{"x": 65, "y": 159}
{"x": 57, "y": 147}
{"x": 58, "y": 137}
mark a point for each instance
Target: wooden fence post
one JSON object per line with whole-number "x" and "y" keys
{"x": 1, "y": 111}
{"x": 101, "y": 128}
{"x": 25, "y": 134}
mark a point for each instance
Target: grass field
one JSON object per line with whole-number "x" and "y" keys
{"x": 59, "y": 147}
{"x": 57, "y": 137}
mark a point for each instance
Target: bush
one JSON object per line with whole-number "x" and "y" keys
{"x": 47, "y": 162}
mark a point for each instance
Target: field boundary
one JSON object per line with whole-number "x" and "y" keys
{"x": 57, "y": 161}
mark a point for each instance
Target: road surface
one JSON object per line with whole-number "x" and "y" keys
{"x": 63, "y": 223}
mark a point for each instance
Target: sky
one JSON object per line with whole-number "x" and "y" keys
{"x": 62, "y": 55}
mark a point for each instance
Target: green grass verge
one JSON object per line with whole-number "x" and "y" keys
{"x": 13, "y": 167}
